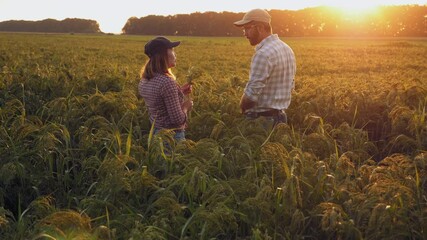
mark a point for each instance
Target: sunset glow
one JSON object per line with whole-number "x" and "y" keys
{"x": 112, "y": 15}
{"x": 359, "y": 10}
{"x": 360, "y": 7}
{"x": 356, "y": 12}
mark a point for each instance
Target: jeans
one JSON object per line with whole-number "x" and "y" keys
{"x": 179, "y": 134}
{"x": 271, "y": 121}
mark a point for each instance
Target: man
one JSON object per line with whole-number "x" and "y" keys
{"x": 272, "y": 73}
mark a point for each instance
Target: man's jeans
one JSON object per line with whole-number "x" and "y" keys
{"x": 270, "y": 121}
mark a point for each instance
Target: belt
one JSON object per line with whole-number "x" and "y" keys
{"x": 269, "y": 113}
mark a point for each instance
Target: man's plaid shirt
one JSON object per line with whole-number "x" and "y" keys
{"x": 163, "y": 98}
{"x": 272, "y": 75}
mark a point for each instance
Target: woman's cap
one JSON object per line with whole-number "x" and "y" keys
{"x": 158, "y": 45}
{"x": 258, "y": 15}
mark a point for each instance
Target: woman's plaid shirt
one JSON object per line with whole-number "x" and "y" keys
{"x": 163, "y": 98}
{"x": 272, "y": 75}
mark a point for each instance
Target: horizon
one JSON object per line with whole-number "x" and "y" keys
{"x": 111, "y": 17}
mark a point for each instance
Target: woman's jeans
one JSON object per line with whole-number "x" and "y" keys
{"x": 179, "y": 134}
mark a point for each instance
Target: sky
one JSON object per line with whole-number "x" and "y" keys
{"x": 112, "y": 15}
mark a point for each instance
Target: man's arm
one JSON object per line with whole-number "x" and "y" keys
{"x": 246, "y": 103}
{"x": 260, "y": 68}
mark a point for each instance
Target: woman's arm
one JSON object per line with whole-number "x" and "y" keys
{"x": 177, "y": 114}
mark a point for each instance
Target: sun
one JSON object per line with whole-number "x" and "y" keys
{"x": 355, "y": 9}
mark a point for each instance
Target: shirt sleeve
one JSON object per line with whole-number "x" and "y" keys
{"x": 260, "y": 71}
{"x": 173, "y": 104}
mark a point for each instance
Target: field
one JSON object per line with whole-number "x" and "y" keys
{"x": 77, "y": 160}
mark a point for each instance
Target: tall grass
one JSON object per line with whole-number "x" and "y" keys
{"x": 79, "y": 158}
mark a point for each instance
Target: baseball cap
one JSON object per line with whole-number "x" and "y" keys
{"x": 258, "y": 15}
{"x": 157, "y": 45}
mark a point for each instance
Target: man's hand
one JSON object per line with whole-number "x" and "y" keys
{"x": 246, "y": 103}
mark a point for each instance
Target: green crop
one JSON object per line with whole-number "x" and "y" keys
{"x": 78, "y": 157}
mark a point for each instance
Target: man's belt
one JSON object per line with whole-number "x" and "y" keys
{"x": 269, "y": 113}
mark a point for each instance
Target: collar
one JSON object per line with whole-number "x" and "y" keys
{"x": 265, "y": 41}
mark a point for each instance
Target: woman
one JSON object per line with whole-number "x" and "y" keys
{"x": 163, "y": 97}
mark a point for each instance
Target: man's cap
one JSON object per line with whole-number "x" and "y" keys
{"x": 158, "y": 45}
{"x": 258, "y": 15}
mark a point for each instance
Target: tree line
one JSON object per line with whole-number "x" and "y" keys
{"x": 68, "y": 25}
{"x": 386, "y": 21}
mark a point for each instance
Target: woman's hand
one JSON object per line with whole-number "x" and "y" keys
{"x": 187, "y": 88}
{"x": 187, "y": 105}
